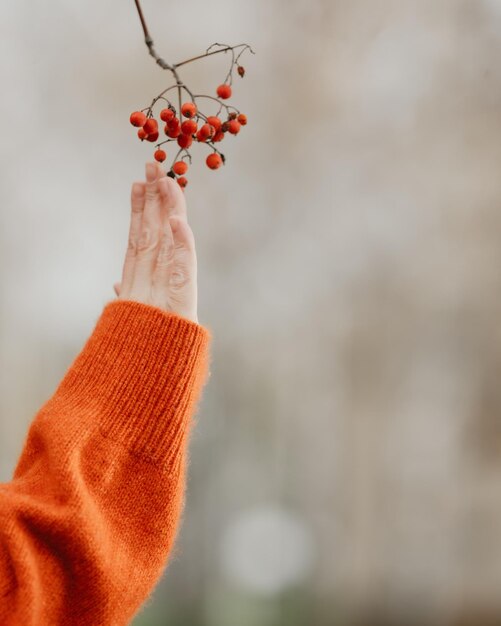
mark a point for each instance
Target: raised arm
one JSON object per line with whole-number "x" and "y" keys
{"x": 92, "y": 512}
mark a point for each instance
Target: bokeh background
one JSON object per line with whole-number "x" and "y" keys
{"x": 346, "y": 465}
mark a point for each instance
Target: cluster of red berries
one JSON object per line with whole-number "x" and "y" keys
{"x": 196, "y": 126}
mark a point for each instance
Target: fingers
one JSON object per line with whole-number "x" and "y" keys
{"x": 172, "y": 197}
{"x": 160, "y": 265}
{"x": 149, "y": 236}
{"x": 174, "y": 283}
{"x": 137, "y": 205}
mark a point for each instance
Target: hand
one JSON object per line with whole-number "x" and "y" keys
{"x": 160, "y": 266}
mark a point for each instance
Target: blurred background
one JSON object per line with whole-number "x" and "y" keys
{"x": 345, "y": 469}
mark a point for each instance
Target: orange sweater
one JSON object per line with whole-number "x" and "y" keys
{"x": 92, "y": 512}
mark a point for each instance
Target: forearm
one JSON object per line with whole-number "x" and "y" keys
{"x": 89, "y": 519}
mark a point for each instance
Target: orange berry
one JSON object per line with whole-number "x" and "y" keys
{"x": 214, "y": 161}
{"x": 182, "y": 181}
{"x": 242, "y": 118}
{"x": 219, "y": 136}
{"x": 172, "y": 132}
{"x": 138, "y": 118}
{"x": 152, "y": 137}
{"x": 207, "y": 131}
{"x": 189, "y": 127}
{"x": 141, "y": 134}
{"x": 189, "y": 109}
{"x": 234, "y": 127}
{"x": 160, "y": 155}
{"x": 214, "y": 121}
{"x": 224, "y": 91}
{"x": 173, "y": 122}
{"x": 184, "y": 141}
{"x": 180, "y": 168}
{"x": 150, "y": 126}
{"x": 167, "y": 114}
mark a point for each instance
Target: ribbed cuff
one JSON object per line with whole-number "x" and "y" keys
{"x": 141, "y": 375}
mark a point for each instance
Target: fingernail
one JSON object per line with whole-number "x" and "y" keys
{"x": 151, "y": 172}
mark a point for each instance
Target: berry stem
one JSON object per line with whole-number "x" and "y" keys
{"x": 201, "y": 56}
{"x": 209, "y": 143}
{"x": 226, "y": 106}
{"x": 149, "y": 41}
{"x": 176, "y": 158}
{"x": 164, "y": 141}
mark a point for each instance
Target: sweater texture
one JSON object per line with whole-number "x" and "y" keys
{"x": 90, "y": 517}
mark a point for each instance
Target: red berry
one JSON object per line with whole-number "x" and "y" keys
{"x": 184, "y": 141}
{"x": 189, "y": 127}
{"x": 234, "y": 127}
{"x": 224, "y": 91}
{"x": 150, "y": 126}
{"x": 152, "y": 137}
{"x": 174, "y": 123}
{"x": 141, "y": 134}
{"x": 166, "y": 114}
{"x": 242, "y": 118}
{"x": 214, "y": 121}
{"x": 182, "y": 181}
{"x": 172, "y": 131}
{"x": 214, "y": 161}
{"x": 207, "y": 131}
{"x": 189, "y": 109}
{"x": 138, "y": 118}
{"x": 219, "y": 136}
{"x": 160, "y": 155}
{"x": 180, "y": 168}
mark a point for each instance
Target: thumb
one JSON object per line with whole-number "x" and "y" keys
{"x": 117, "y": 287}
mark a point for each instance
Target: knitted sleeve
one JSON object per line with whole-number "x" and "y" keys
{"x": 90, "y": 517}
